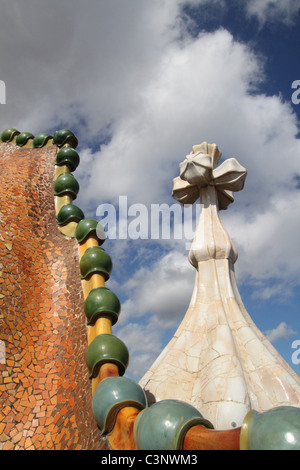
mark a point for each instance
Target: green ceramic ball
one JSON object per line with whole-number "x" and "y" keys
{"x": 113, "y": 394}
{"x": 163, "y": 425}
{"x": 106, "y": 348}
{"x": 101, "y": 301}
{"x": 95, "y": 260}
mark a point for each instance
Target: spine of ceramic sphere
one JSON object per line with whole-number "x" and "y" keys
{"x": 95, "y": 259}
{"x": 96, "y": 279}
{"x": 67, "y": 156}
{"x": 95, "y": 267}
{"x": 68, "y": 213}
{"x": 102, "y": 307}
{"x": 106, "y": 355}
{"x": 102, "y": 302}
{"x": 42, "y": 140}
{"x": 87, "y": 228}
{"x": 113, "y": 394}
{"x": 9, "y": 135}
{"x": 106, "y": 348}
{"x": 275, "y": 429}
{"x": 65, "y": 183}
{"x": 24, "y": 139}
{"x": 66, "y": 186}
{"x": 164, "y": 425}
{"x": 65, "y": 137}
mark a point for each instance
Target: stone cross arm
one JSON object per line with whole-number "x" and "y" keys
{"x": 199, "y": 169}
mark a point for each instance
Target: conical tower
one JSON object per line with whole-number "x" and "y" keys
{"x": 218, "y": 360}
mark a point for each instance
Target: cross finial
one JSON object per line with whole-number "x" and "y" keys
{"x": 199, "y": 169}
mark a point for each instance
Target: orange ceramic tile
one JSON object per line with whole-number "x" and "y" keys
{"x": 45, "y": 398}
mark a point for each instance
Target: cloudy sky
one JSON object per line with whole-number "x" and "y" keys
{"x": 140, "y": 82}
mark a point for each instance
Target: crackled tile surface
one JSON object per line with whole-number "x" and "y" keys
{"x": 218, "y": 360}
{"x": 45, "y": 398}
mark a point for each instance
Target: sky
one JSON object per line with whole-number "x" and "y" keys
{"x": 140, "y": 82}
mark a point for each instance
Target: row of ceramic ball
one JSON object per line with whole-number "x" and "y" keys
{"x": 115, "y": 393}
{"x": 60, "y": 138}
{"x": 67, "y": 155}
{"x": 100, "y": 301}
{"x": 112, "y": 393}
{"x": 164, "y": 425}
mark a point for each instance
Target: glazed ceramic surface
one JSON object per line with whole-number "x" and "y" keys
{"x": 164, "y": 424}
{"x": 88, "y": 227}
{"x": 69, "y": 212}
{"x": 275, "y": 429}
{"x": 66, "y": 183}
{"x": 67, "y": 156}
{"x": 218, "y": 360}
{"x": 112, "y": 394}
{"x": 106, "y": 348}
{"x": 95, "y": 259}
{"x": 99, "y": 302}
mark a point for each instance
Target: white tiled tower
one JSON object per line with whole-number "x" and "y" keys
{"x": 218, "y": 360}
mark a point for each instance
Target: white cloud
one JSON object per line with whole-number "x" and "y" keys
{"x": 65, "y": 61}
{"x": 78, "y": 63}
{"x": 268, "y": 245}
{"x": 273, "y": 10}
{"x": 282, "y": 331}
{"x": 143, "y": 343}
{"x": 199, "y": 91}
{"x": 163, "y": 288}
{"x": 179, "y": 105}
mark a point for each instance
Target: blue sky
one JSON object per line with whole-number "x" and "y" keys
{"x": 140, "y": 83}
